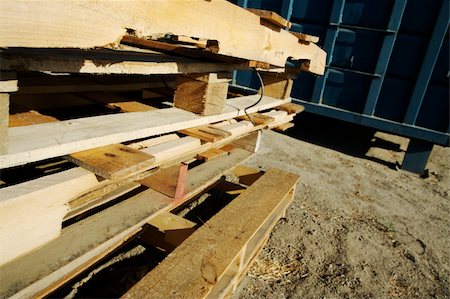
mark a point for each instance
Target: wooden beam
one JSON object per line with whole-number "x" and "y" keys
{"x": 169, "y": 181}
{"x": 237, "y": 30}
{"x": 272, "y": 17}
{"x": 42, "y": 141}
{"x": 32, "y": 212}
{"x": 200, "y": 266}
{"x": 291, "y": 108}
{"x": 167, "y": 231}
{"x": 204, "y": 94}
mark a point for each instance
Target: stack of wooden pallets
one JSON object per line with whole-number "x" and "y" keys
{"x": 106, "y": 129}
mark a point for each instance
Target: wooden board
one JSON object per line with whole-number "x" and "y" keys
{"x": 167, "y": 231}
{"x": 30, "y": 217}
{"x": 207, "y": 133}
{"x": 42, "y": 141}
{"x": 259, "y": 118}
{"x": 291, "y": 108}
{"x": 169, "y": 181}
{"x": 284, "y": 127}
{"x": 199, "y": 267}
{"x": 85, "y": 242}
{"x": 101, "y": 22}
{"x": 212, "y": 154}
{"x": 29, "y": 118}
{"x": 4, "y": 120}
{"x": 112, "y": 161}
{"x": 272, "y": 17}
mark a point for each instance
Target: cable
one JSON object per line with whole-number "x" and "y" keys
{"x": 260, "y": 98}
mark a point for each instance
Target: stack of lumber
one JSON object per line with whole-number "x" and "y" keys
{"x": 108, "y": 128}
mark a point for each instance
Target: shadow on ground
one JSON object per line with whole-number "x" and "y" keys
{"x": 345, "y": 137}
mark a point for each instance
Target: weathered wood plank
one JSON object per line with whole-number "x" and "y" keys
{"x": 169, "y": 181}
{"x": 4, "y": 120}
{"x": 207, "y": 133}
{"x": 193, "y": 269}
{"x": 272, "y": 17}
{"x": 30, "y": 217}
{"x": 112, "y": 161}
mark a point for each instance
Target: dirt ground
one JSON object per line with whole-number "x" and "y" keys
{"x": 358, "y": 227}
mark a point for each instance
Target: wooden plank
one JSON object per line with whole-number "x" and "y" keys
{"x": 258, "y": 118}
{"x": 247, "y": 175}
{"x": 169, "y": 181}
{"x": 193, "y": 270}
{"x": 43, "y": 270}
{"x": 207, "y": 133}
{"x": 272, "y": 17}
{"x": 305, "y": 37}
{"x": 31, "y": 213}
{"x": 172, "y": 148}
{"x": 112, "y": 161}
{"x": 4, "y": 120}
{"x": 167, "y": 231}
{"x": 42, "y": 141}
{"x": 29, "y": 118}
{"x": 205, "y": 96}
{"x": 291, "y": 108}
{"x": 105, "y": 23}
{"x": 284, "y": 127}
{"x": 212, "y": 154}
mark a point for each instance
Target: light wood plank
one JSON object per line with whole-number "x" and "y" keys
{"x": 212, "y": 154}
{"x": 31, "y": 213}
{"x": 272, "y": 17}
{"x": 207, "y": 133}
{"x": 205, "y": 96}
{"x": 259, "y": 118}
{"x": 284, "y": 127}
{"x": 193, "y": 269}
{"x": 4, "y": 120}
{"x": 112, "y": 161}
{"x": 291, "y": 108}
{"x": 42, "y": 141}
{"x": 29, "y": 118}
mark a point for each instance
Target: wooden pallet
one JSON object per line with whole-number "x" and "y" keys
{"x": 87, "y": 241}
{"x": 212, "y": 261}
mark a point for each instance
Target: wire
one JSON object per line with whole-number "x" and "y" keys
{"x": 260, "y": 98}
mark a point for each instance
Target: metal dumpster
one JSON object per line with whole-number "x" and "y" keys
{"x": 387, "y": 66}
